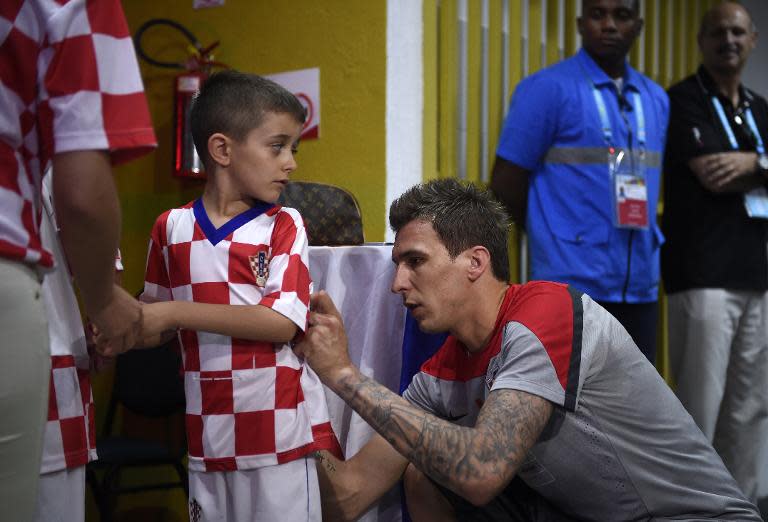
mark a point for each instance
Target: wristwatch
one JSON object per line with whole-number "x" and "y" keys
{"x": 762, "y": 164}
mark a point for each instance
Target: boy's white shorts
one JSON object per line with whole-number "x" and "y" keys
{"x": 286, "y": 492}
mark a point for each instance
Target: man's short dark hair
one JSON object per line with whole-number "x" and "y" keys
{"x": 462, "y": 214}
{"x": 635, "y": 6}
{"x": 234, "y": 103}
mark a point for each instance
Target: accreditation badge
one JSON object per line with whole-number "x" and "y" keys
{"x": 756, "y": 203}
{"x": 629, "y": 193}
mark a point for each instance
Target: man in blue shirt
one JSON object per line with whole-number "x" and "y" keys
{"x": 578, "y": 163}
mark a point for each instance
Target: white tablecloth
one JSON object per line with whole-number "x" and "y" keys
{"x": 358, "y": 279}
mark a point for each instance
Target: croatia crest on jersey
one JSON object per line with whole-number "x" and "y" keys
{"x": 260, "y": 267}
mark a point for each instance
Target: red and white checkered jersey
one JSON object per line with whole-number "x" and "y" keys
{"x": 69, "y": 81}
{"x": 249, "y": 403}
{"x": 69, "y": 436}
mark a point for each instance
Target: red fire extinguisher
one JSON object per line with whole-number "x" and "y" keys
{"x": 186, "y": 161}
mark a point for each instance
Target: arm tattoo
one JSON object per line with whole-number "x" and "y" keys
{"x": 325, "y": 461}
{"x": 509, "y": 424}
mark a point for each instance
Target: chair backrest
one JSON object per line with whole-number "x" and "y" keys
{"x": 149, "y": 382}
{"x": 331, "y": 214}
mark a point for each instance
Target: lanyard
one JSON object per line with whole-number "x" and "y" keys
{"x": 606, "y": 122}
{"x": 729, "y": 131}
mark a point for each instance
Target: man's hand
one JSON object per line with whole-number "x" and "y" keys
{"x": 324, "y": 345}
{"x": 118, "y": 324}
{"x": 723, "y": 172}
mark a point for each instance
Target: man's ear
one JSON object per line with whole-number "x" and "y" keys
{"x": 639, "y": 24}
{"x": 219, "y": 149}
{"x": 479, "y": 262}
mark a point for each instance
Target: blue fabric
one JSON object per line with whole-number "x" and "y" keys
{"x": 417, "y": 348}
{"x": 569, "y": 217}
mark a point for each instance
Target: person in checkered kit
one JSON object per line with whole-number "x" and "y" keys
{"x": 229, "y": 272}
{"x": 69, "y": 441}
{"x": 71, "y": 96}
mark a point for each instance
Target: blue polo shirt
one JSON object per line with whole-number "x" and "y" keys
{"x": 553, "y": 129}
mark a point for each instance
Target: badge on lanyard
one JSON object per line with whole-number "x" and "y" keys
{"x": 630, "y": 190}
{"x": 260, "y": 267}
{"x": 627, "y": 169}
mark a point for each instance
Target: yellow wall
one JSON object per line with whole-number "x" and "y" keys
{"x": 346, "y": 40}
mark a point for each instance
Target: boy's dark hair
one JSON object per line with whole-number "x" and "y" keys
{"x": 234, "y": 103}
{"x": 462, "y": 214}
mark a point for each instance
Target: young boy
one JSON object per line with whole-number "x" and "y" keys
{"x": 229, "y": 272}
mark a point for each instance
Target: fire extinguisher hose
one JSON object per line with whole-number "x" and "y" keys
{"x": 200, "y": 59}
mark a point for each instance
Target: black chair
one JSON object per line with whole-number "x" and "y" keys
{"x": 148, "y": 385}
{"x": 331, "y": 214}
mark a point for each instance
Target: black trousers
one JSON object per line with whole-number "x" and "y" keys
{"x": 641, "y": 321}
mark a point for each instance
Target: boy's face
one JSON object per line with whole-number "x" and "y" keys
{"x": 261, "y": 163}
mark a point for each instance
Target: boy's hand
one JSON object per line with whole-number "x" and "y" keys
{"x": 324, "y": 345}
{"x": 157, "y": 323}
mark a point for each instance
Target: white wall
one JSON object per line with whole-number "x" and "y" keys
{"x": 756, "y": 78}
{"x": 756, "y": 73}
{"x": 405, "y": 101}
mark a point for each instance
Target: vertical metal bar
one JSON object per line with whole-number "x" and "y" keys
{"x": 439, "y": 76}
{"x": 484, "y": 86}
{"x": 576, "y": 34}
{"x": 504, "y": 56}
{"x": 543, "y": 43}
{"x": 525, "y": 37}
{"x": 641, "y": 66}
{"x": 691, "y": 58}
{"x": 561, "y": 29}
{"x": 670, "y": 43}
{"x": 462, "y": 90}
{"x": 656, "y": 38}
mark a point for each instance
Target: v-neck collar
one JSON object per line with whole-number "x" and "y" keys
{"x": 213, "y": 234}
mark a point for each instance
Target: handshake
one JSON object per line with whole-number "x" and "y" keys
{"x": 123, "y": 323}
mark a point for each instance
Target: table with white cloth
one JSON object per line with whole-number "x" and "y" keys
{"x": 358, "y": 279}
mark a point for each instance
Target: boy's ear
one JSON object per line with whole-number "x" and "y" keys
{"x": 219, "y": 149}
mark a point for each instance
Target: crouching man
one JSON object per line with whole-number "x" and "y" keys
{"x": 539, "y": 406}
